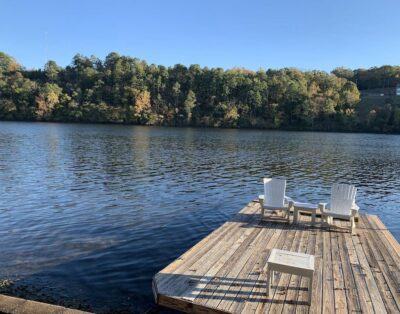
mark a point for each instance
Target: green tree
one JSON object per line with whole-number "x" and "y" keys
{"x": 189, "y": 105}
{"x": 51, "y": 70}
{"x": 342, "y": 72}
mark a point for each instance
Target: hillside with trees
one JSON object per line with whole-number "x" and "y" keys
{"x": 122, "y": 89}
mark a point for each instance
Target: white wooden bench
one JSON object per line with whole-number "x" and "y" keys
{"x": 291, "y": 263}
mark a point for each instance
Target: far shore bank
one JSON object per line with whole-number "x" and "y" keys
{"x": 248, "y": 128}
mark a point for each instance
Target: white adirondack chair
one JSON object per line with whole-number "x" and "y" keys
{"x": 274, "y": 197}
{"x": 343, "y": 205}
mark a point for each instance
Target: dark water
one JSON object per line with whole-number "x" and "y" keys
{"x": 89, "y": 213}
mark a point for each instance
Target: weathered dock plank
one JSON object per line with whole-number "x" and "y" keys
{"x": 226, "y": 271}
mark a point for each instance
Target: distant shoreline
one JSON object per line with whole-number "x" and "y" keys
{"x": 208, "y": 127}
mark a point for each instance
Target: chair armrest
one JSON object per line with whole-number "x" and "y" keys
{"x": 289, "y": 199}
{"x": 261, "y": 200}
{"x": 354, "y": 209}
{"x": 322, "y": 206}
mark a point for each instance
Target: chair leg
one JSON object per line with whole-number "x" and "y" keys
{"x": 325, "y": 221}
{"x": 353, "y": 226}
{"x": 313, "y": 217}
{"x": 295, "y": 216}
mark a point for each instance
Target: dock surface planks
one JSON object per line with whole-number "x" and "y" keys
{"x": 225, "y": 272}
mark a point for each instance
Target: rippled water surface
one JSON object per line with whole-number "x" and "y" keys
{"x": 89, "y": 213}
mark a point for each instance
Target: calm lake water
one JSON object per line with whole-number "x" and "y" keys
{"x": 89, "y": 213}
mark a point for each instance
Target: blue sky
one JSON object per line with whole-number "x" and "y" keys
{"x": 308, "y": 34}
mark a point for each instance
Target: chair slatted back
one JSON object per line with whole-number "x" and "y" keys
{"x": 343, "y": 197}
{"x": 274, "y": 192}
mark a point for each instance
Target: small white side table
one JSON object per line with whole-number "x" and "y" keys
{"x": 304, "y": 207}
{"x": 291, "y": 263}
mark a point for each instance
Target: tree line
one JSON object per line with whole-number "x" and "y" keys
{"x": 377, "y": 77}
{"x": 121, "y": 89}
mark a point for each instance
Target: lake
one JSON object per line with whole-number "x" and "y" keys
{"x": 89, "y": 213}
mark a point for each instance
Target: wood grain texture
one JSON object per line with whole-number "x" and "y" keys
{"x": 226, "y": 271}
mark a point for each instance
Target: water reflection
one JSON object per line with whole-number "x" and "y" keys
{"x": 90, "y": 212}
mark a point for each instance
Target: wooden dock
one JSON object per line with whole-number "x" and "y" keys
{"x": 225, "y": 272}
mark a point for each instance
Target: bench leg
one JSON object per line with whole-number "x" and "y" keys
{"x": 313, "y": 217}
{"x": 310, "y": 281}
{"x": 269, "y": 284}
